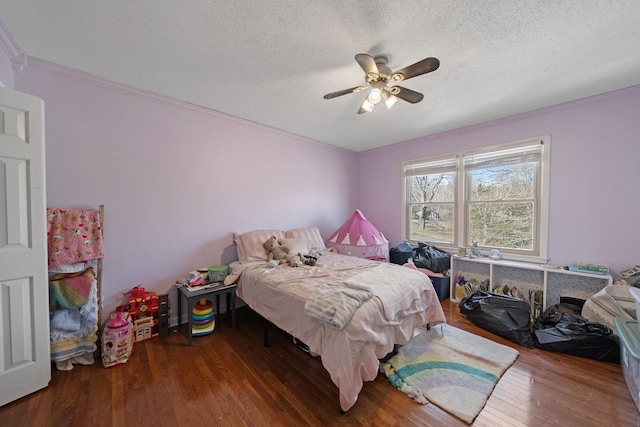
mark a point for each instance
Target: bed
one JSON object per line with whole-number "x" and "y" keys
{"x": 350, "y": 345}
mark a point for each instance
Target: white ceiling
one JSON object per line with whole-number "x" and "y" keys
{"x": 271, "y": 62}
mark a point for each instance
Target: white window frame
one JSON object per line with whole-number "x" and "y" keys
{"x": 540, "y": 252}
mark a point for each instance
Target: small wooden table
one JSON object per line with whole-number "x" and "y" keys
{"x": 194, "y": 296}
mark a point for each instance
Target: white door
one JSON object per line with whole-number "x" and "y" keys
{"x": 25, "y": 364}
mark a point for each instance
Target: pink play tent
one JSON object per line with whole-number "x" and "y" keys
{"x": 358, "y": 237}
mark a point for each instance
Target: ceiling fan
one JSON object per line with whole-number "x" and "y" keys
{"x": 377, "y": 74}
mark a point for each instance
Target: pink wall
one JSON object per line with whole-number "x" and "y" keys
{"x": 175, "y": 180}
{"x": 594, "y": 184}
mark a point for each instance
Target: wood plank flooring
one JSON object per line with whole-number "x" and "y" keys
{"x": 229, "y": 379}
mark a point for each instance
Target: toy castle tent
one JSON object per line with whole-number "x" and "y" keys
{"x": 358, "y": 237}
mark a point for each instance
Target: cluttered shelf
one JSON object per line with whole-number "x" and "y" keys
{"x": 543, "y": 284}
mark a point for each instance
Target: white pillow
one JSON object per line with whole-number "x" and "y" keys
{"x": 309, "y": 235}
{"x": 249, "y": 244}
{"x": 296, "y": 246}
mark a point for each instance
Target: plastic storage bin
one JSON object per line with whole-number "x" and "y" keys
{"x": 441, "y": 285}
{"x": 630, "y": 355}
{"x": 635, "y": 293}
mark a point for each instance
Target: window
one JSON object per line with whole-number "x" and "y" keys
{"x": 431, "y": 194}
{"x": 495, "y": 197}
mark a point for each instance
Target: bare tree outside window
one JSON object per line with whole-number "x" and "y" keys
{"x": 432, "y": 207}
{"x": 501, "y": 206}
{"x": 495, "y": 197}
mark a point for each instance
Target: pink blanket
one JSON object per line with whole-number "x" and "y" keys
{"x": 73, "y": 235}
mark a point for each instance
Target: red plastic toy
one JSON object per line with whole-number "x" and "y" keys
{"x": 143, "y": 311}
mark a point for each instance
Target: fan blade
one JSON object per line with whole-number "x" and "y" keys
{"x": 343, "y": 92}
{"x": 407, "y": 94}
{"x": 368, "y": 64}
{"x": 427, "y": 65}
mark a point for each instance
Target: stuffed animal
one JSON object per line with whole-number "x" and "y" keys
{"x": 275, "y": 250}
{"x": 280, "y": 253}
{"x": 309, "y": 259}
{"x": 294, "y": 260}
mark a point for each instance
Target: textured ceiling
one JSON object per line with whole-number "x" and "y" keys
{"x": 271, "y": 62}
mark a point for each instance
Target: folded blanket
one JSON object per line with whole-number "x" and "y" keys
{"x": 335, "y": 303}
{"x": 63, "y": 321}
{"x": 70, "y": 290}
{"x": 384, "y": 280}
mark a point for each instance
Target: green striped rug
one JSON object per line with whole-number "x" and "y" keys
{"x": 451, "y": 368}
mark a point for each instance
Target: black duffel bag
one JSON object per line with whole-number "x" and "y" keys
{"x": 503, "y": 315}
{"x": 562, "y": 329}
{"x": 431, "y": 258}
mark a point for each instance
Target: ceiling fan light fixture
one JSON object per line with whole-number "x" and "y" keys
{"x": 377, "y": 75}
{"x": 375, "y": 96}
{"x": 372, "y": 77}
{"x": 366, "y": 106}
{"x": 389, "y": 99}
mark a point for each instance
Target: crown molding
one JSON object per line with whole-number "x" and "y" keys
{"x": 16, "y": 56}
{"x": 20, "y": 62}
{"x": 86, "y": 78}
{"x": 7, "y": 43}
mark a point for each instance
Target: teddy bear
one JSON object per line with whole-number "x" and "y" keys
{"x": 280, "y": 253}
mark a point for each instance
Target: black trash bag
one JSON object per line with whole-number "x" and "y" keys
{"x": 562, "y": 329}
{"x": 431, "y": 258}
{"x": 401, "y": 254}
{"x": 500, "y": 314}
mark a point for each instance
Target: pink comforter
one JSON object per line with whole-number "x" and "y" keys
{"x": 403, "y": 300}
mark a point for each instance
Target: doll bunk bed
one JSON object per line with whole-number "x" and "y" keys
{"x": 391, "y": 301}
{"x": 75, "y": 252}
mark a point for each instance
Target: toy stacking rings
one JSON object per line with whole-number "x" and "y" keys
{"x": 203, "y": 307}
{"x": 197, "y": 318}
{"x": 202, "y": 318}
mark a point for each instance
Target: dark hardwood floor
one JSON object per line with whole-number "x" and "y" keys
{"x": 228, "y": 378}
